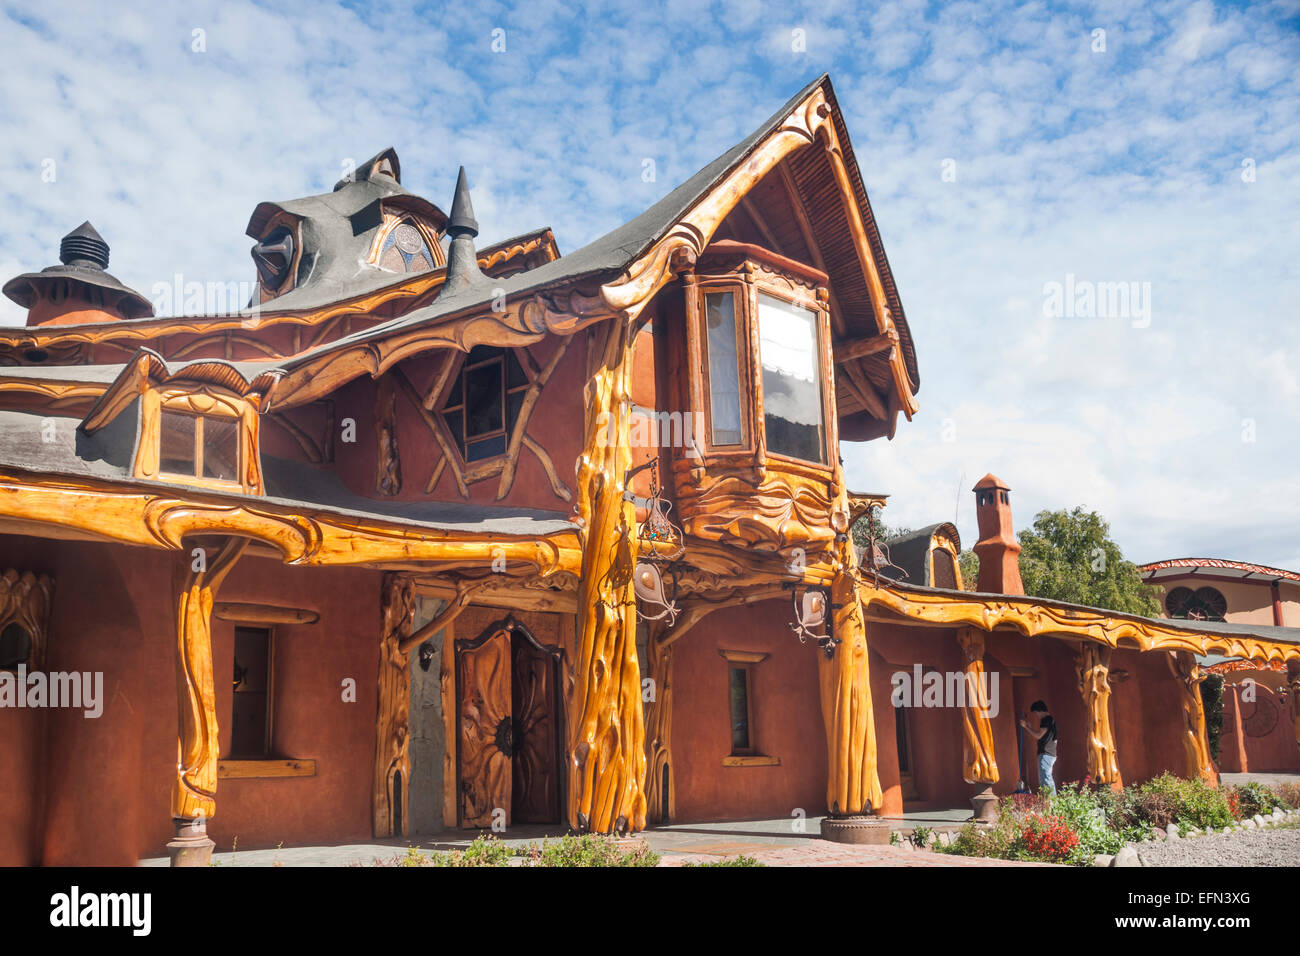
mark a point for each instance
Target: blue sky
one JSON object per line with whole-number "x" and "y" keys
{"x": 1003, "y": 146}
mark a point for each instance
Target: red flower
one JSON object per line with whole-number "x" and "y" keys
{"x": 1049, "y": 837}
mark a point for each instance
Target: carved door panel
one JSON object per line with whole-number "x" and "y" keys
{"x": 537, "y": 738}
{"x": 486, "y": 727}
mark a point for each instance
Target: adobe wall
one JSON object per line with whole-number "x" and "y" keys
{"x": 787, "y": 720}
{"x": 110, "y": 778}
{"x": 1259, "y": 735}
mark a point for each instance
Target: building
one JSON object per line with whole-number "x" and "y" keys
{"x": 431, "y": 535}
{"x": 1261, "y": 702}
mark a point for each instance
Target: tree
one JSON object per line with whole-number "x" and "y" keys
{"x": 969, "y": 562}
{"x": 1069, "y": 556}
{"x": 869, "y": 522}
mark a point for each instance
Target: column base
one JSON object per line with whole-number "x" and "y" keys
{"x": 985, "y": 803}
{"x": 856, "y": 829}
{"x": 190, "y": 846}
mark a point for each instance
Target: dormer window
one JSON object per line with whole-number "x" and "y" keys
{"x": 406, "y": 249}
{"x": 198, "y": 446}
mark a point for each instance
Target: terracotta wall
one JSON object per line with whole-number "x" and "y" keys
{"x": 1257, "y": 735}
{"x": 1248, "y": 602}
{"x": 108, "y": 799}
{"x": 787, "y": 720}
{"x": 556, "y": 423}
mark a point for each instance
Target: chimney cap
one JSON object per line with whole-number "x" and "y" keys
{"x": 991, "y": 481}
{"x": 83, "y": 255}
{"x": 462, "y": 221}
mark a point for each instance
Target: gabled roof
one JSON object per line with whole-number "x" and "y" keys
{"x": 615, "y": 253}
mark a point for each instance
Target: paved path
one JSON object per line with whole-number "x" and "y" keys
{"x": 780, "y": 842}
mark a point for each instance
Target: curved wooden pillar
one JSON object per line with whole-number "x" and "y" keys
{"x": 390, "y": 797}
{"x": 853, "y": 785}
{"x": 978, "y": 762}
{"x": 1092, "y": 666}
{"x": 1293, "y": 682}
{"x": 606, "y": 734}
{"x": 1196, "y": 741}
{"x": 195, "y": 581}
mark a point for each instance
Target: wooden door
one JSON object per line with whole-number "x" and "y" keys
{"x": 486, "y": 727}
{"x": 537, "y": 738}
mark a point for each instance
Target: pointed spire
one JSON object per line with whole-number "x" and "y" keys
{"x": 462, "y": 259}
{"x": 462, "y": 219}
{"x": 84, "y": 247}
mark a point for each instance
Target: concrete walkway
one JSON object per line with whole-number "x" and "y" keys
{"x": 779, "y": 842}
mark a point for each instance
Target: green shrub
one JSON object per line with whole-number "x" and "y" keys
{"x": 588, "y": 850}
{"x": 1082, "y": 810}
{"x": 1254, "y": 797}
{"x": 1289, "y": 794}
{"x": 741, "y": 860}
{"x": 1212, "y": 698}
{"x": 1186, "y": 802}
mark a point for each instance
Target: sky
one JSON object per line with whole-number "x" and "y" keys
{"x": 1031, "y": 167}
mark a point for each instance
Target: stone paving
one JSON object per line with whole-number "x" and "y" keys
{"x": 780, "y": 842}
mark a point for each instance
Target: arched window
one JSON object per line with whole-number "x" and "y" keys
{"x": 1203, "y": 604}
{"x": 405, "y": 249}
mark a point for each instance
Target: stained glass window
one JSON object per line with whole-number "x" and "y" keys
{"x": 404, "y": 250}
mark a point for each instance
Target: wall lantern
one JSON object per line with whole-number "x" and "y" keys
{"x": 810, "y": 609}
{"x": 659, "y": 545}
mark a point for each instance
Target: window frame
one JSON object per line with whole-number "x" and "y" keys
{"x": 394, "y": 217}
{"x": 456, "y": 390}
{"x": 200, "y": 403}
{"x": 269, "y": 734}
{"x": 751, "y": 279}
{"x": 747, "y": 662}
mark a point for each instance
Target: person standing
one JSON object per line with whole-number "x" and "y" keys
{"x": 1046, "y": 735}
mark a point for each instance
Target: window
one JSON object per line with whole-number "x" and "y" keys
{"x": 485, "y": 402}
{"x": 199, "y": 446}
{"x": 739, "y": 697}
{"x": 792, "y": 395}
{"x": 1203, "y": 604}
{"x": 15, "y": 646}
{"x": 724, "y": 369}
{"x": 943, "y": 569}
{"x": 250, "y": 717}
{"x": 405, "y": 250}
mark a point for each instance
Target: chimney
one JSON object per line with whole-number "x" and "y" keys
{"x": 462, "y": 259}
{"x": 77, "y": 291}
{"x": 997, "y": 548}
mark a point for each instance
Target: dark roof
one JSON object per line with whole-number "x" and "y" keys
{"x": 337, "y": 230}
{"x": 84, "y": 257}
{"x": 1282, "y": 635}
{"x": 909, "y": 554}
{"x": 107, "y": 456}
{"x": 607, "y": 256}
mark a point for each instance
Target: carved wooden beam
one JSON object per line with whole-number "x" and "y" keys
{"x": 197, "y": 576}
{"x": 25, "y": 600}
{"x": 606, "y": 738}
{"x": 392, "y": 751}
{"x": 1034, "y": 617}
{"x": 1196, "y": 740}
{"x": 245, "y": 613}
{"x": 464, "y": 591}
{"x": 1092, "y": 666}
{"x": 851, "y": 349}
{"x": 108, "y": 512}
{"x": 978, "y": 761}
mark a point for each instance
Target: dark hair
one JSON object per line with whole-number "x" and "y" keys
{"x": 1037, "y": 706}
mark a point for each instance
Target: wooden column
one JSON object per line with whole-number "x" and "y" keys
{"x": 853, "y": 785}
{"x": 606, "y": 736}
{"x": 1293, "y": 682}
{"x": 197, "y": 576}
{"x": 1196, "y": 741}
{"x": 390, "y": 797}
{"x": 979, "y": 765}
{"x": 1092, "y": 666}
